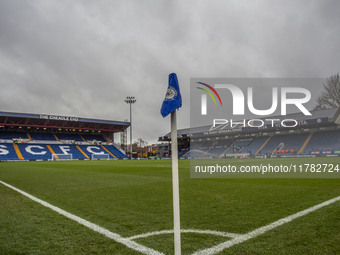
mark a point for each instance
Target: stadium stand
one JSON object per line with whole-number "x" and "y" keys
{"x": 255, "y": 145}
{"x": 323, "y": 141}
{"x": 44, "y": 151}
{"x": 115, "y": 151}
{"x": 34, "y": 151}
{"x": 13, "y": 135}
{"x": 183, "y": 152}
{"x": 41, "y": 151}
{"x": 239, "y": 145}
{"x": 39, "y": 139}
{"x": 98, "y": 138}
{"x": 68, "y": 149}
{"x": 94, "y": 149}
{"x": 70, "y": 137}
{"x": 42, "y": 137}
{"x": 217, "y": 151}
{"x": 317, "y": 134}
{"x": 7, "y": 152}
{"x": 284, "y": 142}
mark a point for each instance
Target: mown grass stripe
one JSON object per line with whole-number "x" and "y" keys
{"x": 264, "y": 229}
{"x": 125, "y": 241}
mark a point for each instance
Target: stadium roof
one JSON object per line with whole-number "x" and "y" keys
{"x": 318, "y": 117}
{"x": 62, "y": 122}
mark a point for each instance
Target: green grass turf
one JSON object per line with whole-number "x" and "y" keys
{"x": 135, "y": 197}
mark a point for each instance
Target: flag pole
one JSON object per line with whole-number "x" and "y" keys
{"x": 175, "y": 184}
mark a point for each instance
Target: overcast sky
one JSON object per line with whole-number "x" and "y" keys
{"x": 83, "y": 57}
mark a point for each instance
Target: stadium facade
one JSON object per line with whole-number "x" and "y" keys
{"x": 51, "y": 137}
{"x": 314, "y": 135}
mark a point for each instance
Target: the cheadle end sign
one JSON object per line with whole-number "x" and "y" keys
{"x": 54, "y": 117}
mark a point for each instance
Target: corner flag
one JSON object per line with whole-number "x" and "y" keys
{"x": 173, "y": 101}
{"x": 173, "y": 98}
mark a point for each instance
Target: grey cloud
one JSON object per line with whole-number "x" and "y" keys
{"x": 83, "y": 58}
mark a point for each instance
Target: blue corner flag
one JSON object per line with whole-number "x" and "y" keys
{"x": 173, "y": 98}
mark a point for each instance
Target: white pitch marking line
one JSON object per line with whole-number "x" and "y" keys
{"x": 197, "y": 231}
{"x": 125, "y": 241}
{"x": 220, "y": 247}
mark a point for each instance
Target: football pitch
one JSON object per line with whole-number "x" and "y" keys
{"x": 125, "y": 207}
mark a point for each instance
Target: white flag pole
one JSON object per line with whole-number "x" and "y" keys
{"x": 175, "y": 184}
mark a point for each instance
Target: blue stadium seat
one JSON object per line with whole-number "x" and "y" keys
{"x": 91, "y": 137}
{"x": 10, "y": 135}
{"x": 70, "y": 137}
{"x": 323, "y": 141}
{"x": 42, "y": 137}
{"x": 293, "y": 141}
{"x": 68, "y": 149}
{"x": 255, "y": 145}
{"x": 217, "y": 151}
{"x": 93, "y": 149}
{"x": 7, "y": 152}
{"x": 239, "y": 145}
{"x": 34, "y": 151}
{"x": 182, "y": 152}
{"x": 115, "y": 151}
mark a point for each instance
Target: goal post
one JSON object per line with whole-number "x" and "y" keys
{"x": 103, "y": 156}
{"x": 62, "y": 157}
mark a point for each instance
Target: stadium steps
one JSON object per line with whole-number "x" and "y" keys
{"x": 227, "y": 149}
{"x": 250, "y": 143}
{"x": 29, "y": 136}
{"x": 186, "y": 153}
{"x": 305, "y": 143}
{"x": 264, "y": 144}
{"x": 86, "y": 156}
{"x": 56, "y": 137}
{"x": 280, "y": 147}
{"x": 108, "y": 152}
{"x": 52, "y": 151}
{"x": 106, "y": 139}
{"x": 83, "y": 138}
{"x": 115, "y": 151}
{"x": 9, "y": 148}
{"x": 17, "y": 150}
